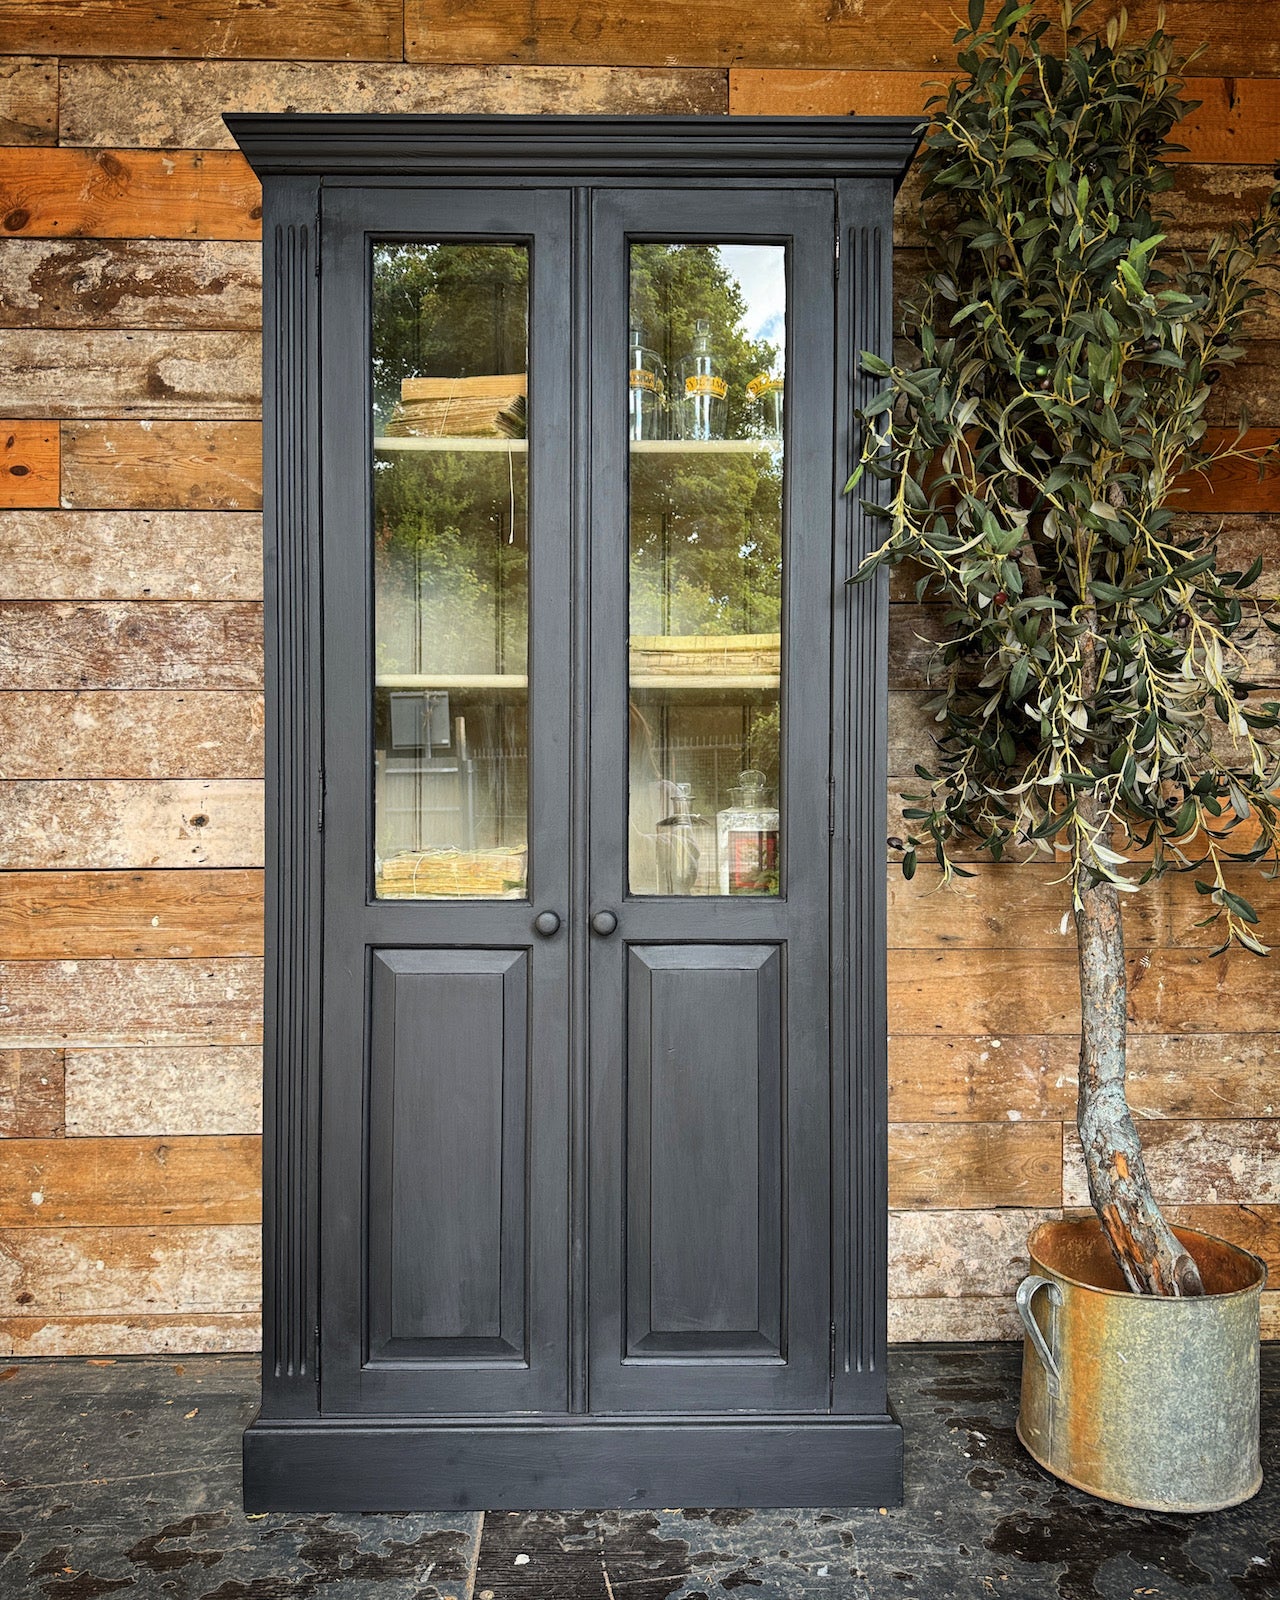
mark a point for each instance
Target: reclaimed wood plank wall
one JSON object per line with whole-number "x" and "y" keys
{"x": 130, "y": 658}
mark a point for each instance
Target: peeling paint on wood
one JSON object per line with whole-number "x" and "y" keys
{"x": 28, "y": 463}
{"x": 92, "y": 1003}
{"x": 183, "y": 823}
{"x": 950, "y": 1321}
{"x": 31, "y": 1094}
{"x": 117, "y": 915}
{"x": 81, "y": 373}
{"x": 170, "y": 104}
{"x": 975, "y": 1165}
{"x": 138, "y": 733}
{"x": 152, "y": 1090}
{"x": 128, "y": 194}
{"x": 130, "y": 1271}
{"x": 130, "y": 283}
{"x": 180, "y": 466}
{"x": 1219, "y": 1162}
{"x": 151, "y": 645}
{"x": 28, "y": 100}
{"x": 130, "y": 1183}
{"x": 131, "y": 555}
{"x": 129, "y": 1335}
{"x": 955, "y": 1255}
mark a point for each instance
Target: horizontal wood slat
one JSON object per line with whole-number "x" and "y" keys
{"x": 82, "y": 373}
{"x": 91, "y": 1003}
{"x": 954, "y": 1254}
{"x": 129, "y": 1183}
{"x": 28, "y": 100}
{"x": 175, "y": 104}
{"x": 1238, "y": 35}
{"x": 51, "y": 915}
{"x": 317, "y": 29}
{"x": 128, "y": 194}
{"x": 152, "y": 1090}
{"x": 975, "y": 1165}
{"x": 113, "y": 645}
{"x": 131, "y": 283}
{"x": 136, "y": 733}
{"x": 130, "y": 1335}
{"x": 29, "y": 454}
{"x": 1020, "y": 1077}
{"x": 180, "y": 466}
{"x": 31, "y": 1094}
{"x": 131, "y": 555}
{"x": 1195, "y": 1163}
{"x": 91, "y": 1271}
{"x": 183, "y": 823}
{"x": 984, "y": 1317}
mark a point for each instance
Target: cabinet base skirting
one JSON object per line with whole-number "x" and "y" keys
{"x": 349, "y": 1465}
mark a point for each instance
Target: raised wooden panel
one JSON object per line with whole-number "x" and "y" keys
{"x": 317, "y": 29}
{"x": 174, "y": 104}
{"x": 190, "y": 466}
{"x": 28, "y": 100}
{"x": 131, "y": 555}
{"x": 28, "y": 462}
{"x": 705, "y": 1117}
{"x": 448, "y": 1178}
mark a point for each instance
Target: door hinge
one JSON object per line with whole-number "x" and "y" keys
{"x": 832, "y": 1367}
{"x": 320, "y": 802}
{"x": 831, "y": 806}
{"x": 837, "y": 252}
{"x": 317, "y": 1362}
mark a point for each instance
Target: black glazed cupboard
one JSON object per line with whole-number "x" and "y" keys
{"x": 575, "y": 1041}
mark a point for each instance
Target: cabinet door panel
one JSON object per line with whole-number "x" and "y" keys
{"x": 703, "y": 1138}
{"x": 447, "y": 1170}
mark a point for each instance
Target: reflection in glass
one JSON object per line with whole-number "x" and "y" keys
{"x": 451, "y": 570}
{"x": 705, "y": 540}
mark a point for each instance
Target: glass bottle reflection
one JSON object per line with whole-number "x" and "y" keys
{"x": 703, "y": 390}
{"x": 647, "y": 388}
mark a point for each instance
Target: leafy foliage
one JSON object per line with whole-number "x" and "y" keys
{"x": 1093, "y": 687}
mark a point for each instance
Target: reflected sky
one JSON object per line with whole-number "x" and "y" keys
{"x": 761, "y": 273}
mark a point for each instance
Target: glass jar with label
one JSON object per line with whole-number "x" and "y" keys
{"x": 647, "y": 390}
{"x": 703, "y": 405}
{"x": 747, "y": 839}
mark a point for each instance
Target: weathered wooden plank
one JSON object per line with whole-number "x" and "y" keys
{"x": 93, "y": 1271}
{"x": 114, "y": 915}
{"x": 119, "y": 645}
{"x": 975, "y": 1165}
{"x": 130, "y": 1335}
{"x": 31, "y": 1094}
{"x": 311, "y": 29}
{"x": 955, "y": 1254}
{"x": 151, "y": 1090}
{"x": 130, "y": 283}
{"x": 184, "y": 823}
{"x": 129, "y": 1183}
{"x": 1195, "y": 1163}
{"x": 181, "y": 466}
{"x": 28, "y": 100}
{"x": 1253, "y": 1227}
{"x": 1037, "y": 991}
{"x": 80, "y": 373}
{"x": 880, "y": 35}
{"x": 1237, "y": 121}
{"x": 1032, "y": 1077}
{"x": 131, "y": 555}
{"x": 953, "y": 1321}
{"x": 178, "y": 104}
{"x": 136, "y": 733}
{"x": 91, "y": 1003}
{"x": 28, "y": 463}
{"x": 128, "y": 194}
{"x": 1233, "y": 484}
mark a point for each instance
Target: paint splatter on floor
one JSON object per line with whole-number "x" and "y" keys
{"x": 125, "y": 1479}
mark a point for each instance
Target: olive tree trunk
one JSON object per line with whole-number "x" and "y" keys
{"x": 1147, "y": 1251}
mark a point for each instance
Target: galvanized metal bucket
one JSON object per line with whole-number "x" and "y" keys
{"x": 1144, "y": 1400}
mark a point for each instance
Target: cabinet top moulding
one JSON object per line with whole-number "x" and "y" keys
{"x": 576, "y": 148}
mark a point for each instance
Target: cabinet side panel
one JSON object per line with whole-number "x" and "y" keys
{"x": 704, "y": 1141}
{"x": 448, "y": 1084}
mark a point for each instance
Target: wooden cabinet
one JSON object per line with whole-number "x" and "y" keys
{"x": 575, "y": 1052}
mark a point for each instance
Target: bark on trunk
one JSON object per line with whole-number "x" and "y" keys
{"x": 1147, "y": 1251}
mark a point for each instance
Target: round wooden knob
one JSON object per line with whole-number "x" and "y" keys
{"x": 546, "y": 923}
{"x": 603, "y": 923}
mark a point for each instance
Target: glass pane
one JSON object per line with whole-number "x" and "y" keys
{"x": 707, "y": 345}
{"x": 451, "y": 570}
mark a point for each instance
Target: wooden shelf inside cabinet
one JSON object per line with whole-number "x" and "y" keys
{"x": 705, "y": 447}
{"x": 493, "y": 681}
{"x": 510, "y": 447}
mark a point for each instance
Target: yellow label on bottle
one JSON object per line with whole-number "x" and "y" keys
{"x": 706, "y": 385}
{"x": 642, "y": 378}
{"x": 763, "y": 384}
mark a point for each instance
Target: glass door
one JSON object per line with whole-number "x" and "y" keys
{"x": 712, "y": 520}
{"x": 445, "y": 410}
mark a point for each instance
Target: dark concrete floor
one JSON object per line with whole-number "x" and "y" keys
{"x": 124, "y": 1477}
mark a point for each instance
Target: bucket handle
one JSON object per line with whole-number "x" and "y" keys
{"x": 1027, "y": 1291}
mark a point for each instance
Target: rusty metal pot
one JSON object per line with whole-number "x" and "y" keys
{"x": 1148, "y": 1401}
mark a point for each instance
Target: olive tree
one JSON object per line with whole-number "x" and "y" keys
{"x": 1094, "y": 700}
